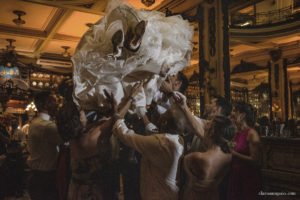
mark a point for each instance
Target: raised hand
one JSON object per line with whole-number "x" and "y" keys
{"x": 179, "y": 99}
{"x": 166, "y": 86}
{"x": 136, "y": 89}
{"x": 111, "y": 98}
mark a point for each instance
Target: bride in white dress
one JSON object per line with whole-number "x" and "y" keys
{"x": 128, "y": 46}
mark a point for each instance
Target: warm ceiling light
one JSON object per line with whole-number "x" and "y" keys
{"x": 65, "y": 53}
{"x": 148, "y": 3}
{"x": 19, "y": 21}
{"x": 31, "y": 107}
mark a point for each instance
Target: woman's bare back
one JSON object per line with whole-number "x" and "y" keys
{"x": 205, "y": 171}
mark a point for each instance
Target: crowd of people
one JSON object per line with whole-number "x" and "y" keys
{"x": 167, "y": 154}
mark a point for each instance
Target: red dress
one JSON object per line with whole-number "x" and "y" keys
{"x": 244, "y": 183}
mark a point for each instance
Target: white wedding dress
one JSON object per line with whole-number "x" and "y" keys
{"x": 165, "y": 49}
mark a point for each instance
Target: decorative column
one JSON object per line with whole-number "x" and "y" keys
{"x": 278, "y": 91}
{"x": 286, "y": 91}
{"x": 270, "y": 89}
{"x": 214, "y": 64}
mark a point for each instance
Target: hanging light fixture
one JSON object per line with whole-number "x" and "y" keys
{"x": 148, "y": 3}
{"x": 65, "y": 53}
{"x": 10, "y": 58}
{"x": 18, "y": 21}
{"x": 31, "y": 107}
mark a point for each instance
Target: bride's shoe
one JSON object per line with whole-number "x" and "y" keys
{"x": 134, "y": 40}
{"x": 117, "y": 41}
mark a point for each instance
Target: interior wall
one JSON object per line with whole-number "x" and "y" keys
{"x": 270, "y": 5}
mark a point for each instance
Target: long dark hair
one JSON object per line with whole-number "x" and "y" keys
{"x": 250, "y": 114}
{"x": 223, "y": 132}
{"x": 68, "y": 118}
{"x": 68, "y": 121}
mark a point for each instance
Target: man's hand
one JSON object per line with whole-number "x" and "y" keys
{"x": 151, "y": 128}
{"x": 111, "y": 98}
{"x": 166, "y": 86}
{"x": 180, "y": 100}
{"x": 136, "y": 89}
{"x": 231, "y": 145}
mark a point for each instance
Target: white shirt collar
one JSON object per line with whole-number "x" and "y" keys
{"x": 44, "y": 116}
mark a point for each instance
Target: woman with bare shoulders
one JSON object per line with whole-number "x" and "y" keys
{"x": 90, "y": 148}
{"x": 205, "y": 170}
{"x": 245, "y": 182}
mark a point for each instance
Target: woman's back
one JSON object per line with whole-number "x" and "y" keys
{"x": 204, "y": 173}
{"x": 93, "y": 173}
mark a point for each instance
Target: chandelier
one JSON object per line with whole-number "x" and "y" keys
{"x": 148, "y": 3}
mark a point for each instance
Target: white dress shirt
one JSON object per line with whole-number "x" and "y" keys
{"x": 43, "y": 138}
{"x": 161, "y": 155}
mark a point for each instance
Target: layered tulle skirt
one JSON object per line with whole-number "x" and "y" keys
{"x": 165, "y": 48}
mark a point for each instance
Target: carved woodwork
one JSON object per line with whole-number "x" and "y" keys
{"x": 270, "y": 89}
{"x": 200, "y": 20}
{"x": 286, "y": 89}
{"x": 212, "y": 31}
{"x": 275, "y": 55}
{"x": 226, "y": 61}
{"x": 276, "y": 76}
{"x": 281, "y": 166}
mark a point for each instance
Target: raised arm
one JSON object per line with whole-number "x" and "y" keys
{"x": 106, "y": 127}
{"x": 180, "y": 100}
{"x": 148, "y": 146}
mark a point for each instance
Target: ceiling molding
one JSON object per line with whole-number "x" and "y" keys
{"x": 240, "y": 4}
{"x": 35, "y": 34}
{"x": 69, "y": 5}
{"x": 263, "y": 33}
{"x": 63, "y": 37}
{"x": 38, "y": 46}
{"x": 289, "y": 51}
{"x": 56, "y": 17}
{"x": 23, "y": 32}
{"x": 68, "y": 2}
{"x": 169, "y": 4}
{"x": 100, "y": 5}
{"x": 63, "y": 16}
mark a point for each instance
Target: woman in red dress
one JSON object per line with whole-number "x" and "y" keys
{"x": 245, "y": 181}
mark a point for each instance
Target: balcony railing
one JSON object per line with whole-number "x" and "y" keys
{"x": 265, "y": 18}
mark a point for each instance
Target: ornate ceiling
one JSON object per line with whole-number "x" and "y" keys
{"x": 50, "y": 24}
